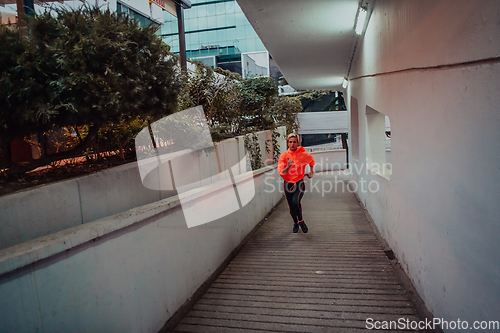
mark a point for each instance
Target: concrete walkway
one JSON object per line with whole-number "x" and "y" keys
{"x": 331, "y": 279}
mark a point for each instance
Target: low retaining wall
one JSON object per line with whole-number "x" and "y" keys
{"x": 128, "y": 272}
{"x": 47, "y": 209}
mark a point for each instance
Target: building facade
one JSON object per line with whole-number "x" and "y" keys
{"x": 143, "y": 11}
{"x": 219, "y": 35}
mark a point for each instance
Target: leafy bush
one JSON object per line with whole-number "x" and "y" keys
{"x": 236, "y": 106}
{"x": 83, "y": 67}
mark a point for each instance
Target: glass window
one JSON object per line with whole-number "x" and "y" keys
{"x": 221, "y": 35}
{"x": 193, "y": 12}
{"x": 125, "y": 10}
{"x": 195, "y": 41}
{"x": 241, "y": 19}
{"x": 240, "y": 31}
{"x": 139, "y": 18}
{"x": 251, "y": 44}
{"x": 212, "y": 37}
{"x": 231, "y": 34}
{"x": 207, "y": 16}
{"x": 221, "y": 20}
{"x": 230, "y": 21}
{"x": 237, "y": 7}
{"x": 187, "y": 24}
{"x": 193, "y": 25}
{"x": 174, "y": 45}
{"x": 230, "y": 6}
{"x": 203, "y": 36}
{"x": 258, "y": 45}
{"x": 238, "y": 45}
{"x": 212, "y": 22}
{"x": 202, "y": 23}
{"x": 211, "y": 10}
{"x": 249, "y": 31}
{"x": 188, "y": 40}
{"x": 220, "y": 8}
{"x": 202, "y": 11}
{"x": 174, "y": 28}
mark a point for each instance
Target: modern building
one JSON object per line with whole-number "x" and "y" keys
{"x": 145, "y": 12}
{"x": 218, "y": 34}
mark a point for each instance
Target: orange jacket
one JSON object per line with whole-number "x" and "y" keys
{"x": 300, "y": 160}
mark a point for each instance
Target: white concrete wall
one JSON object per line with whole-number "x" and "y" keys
{"x": 46, "y": 209}
{"x": 142, "y": 6}
{"x": 50, "y": 208}
{"x": 329, "y": 160}
{"x": 322, "y": 122}
{"x": 255, "y": 63}
{"x": 124, "y": 273}
{"x": 439, "y": 209}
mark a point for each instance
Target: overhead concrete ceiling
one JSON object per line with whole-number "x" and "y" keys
{"x": 310, "y": 40}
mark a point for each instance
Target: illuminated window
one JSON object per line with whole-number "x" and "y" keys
{"x": 354, "y": 137}
{"x": 376, "y": 155}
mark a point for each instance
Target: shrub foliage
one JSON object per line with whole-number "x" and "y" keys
{"x": 102, "y": 76}
{"x": 82, "y": 67}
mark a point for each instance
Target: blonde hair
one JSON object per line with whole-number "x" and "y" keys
{"x": 293, "y": 135}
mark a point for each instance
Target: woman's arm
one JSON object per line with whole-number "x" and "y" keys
{"x": 289, "y": 164}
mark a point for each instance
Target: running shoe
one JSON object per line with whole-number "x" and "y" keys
{"x": 303, "y": 226}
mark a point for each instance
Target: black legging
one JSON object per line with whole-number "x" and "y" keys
{"x": 294, "y": 193}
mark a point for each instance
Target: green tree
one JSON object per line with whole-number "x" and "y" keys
{"x": 285, "y": 111}
{"x": 256, "y": 96}
{"x": 236, "y": 106}
{"x": 215, "y": 90}
{"x": 12, "y": 76}
{"x": 321, "y": 100}
{"x": 83, "y": 66}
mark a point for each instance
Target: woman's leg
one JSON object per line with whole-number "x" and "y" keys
{"x": 297, "y": 198}
{"x": 299, "y": 193}
{"x": 294, "y": 193}
{"x": 290, "y": 191}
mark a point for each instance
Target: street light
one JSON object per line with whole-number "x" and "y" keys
{"x": 344, "y": 83}
{"x": 180, "y": 5}
{"x": 361, "y": 20}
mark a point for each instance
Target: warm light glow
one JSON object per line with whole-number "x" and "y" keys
{"x": 361, "y": 21}
{"x": 344, "y": 83}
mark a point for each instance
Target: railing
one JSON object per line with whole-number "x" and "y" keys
{"x": 338, "y": 146}
{"x": 328, "y": 147}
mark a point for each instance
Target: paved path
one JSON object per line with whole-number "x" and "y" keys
{"x": 331, "y": 279}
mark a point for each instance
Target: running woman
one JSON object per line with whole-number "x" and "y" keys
{"x": 291, "y": 166}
